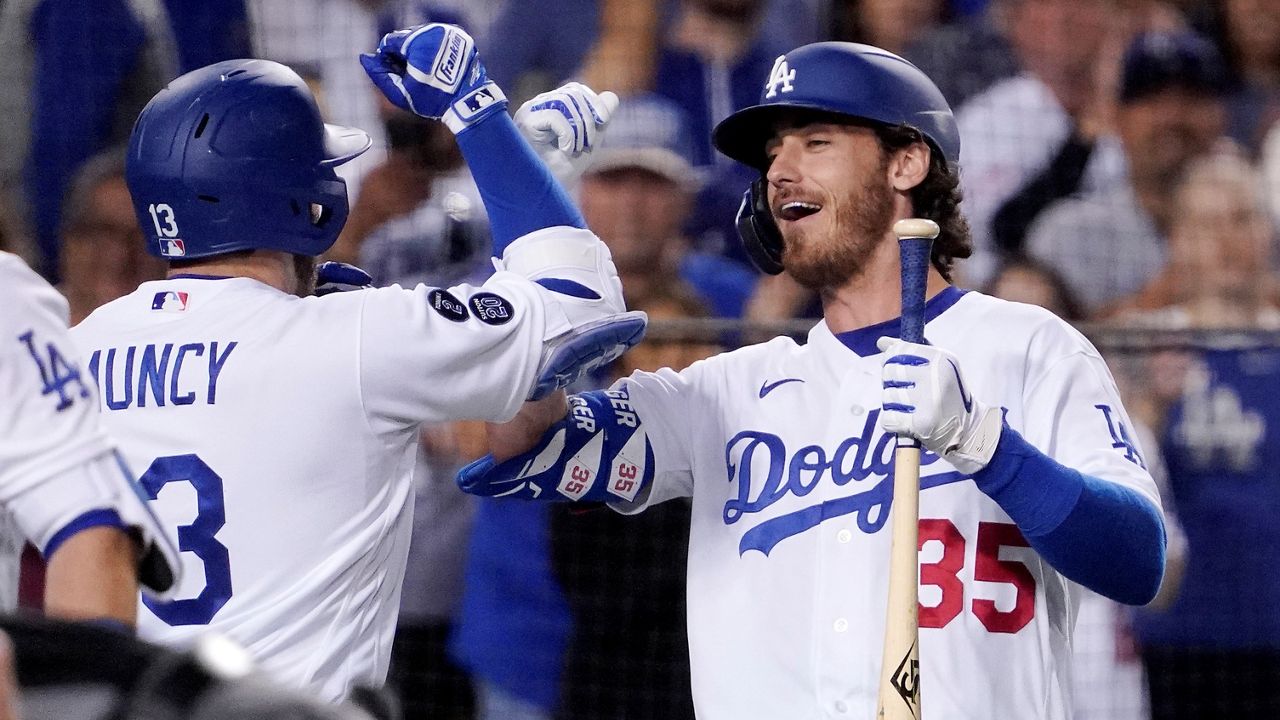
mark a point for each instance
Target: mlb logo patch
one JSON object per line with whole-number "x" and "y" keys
{"x": 169, "y": 301}
{"x": 172, "y": 248}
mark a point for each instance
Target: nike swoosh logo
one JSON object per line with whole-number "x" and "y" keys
{"x": 769, "y": 387}
{"x": 965, "y": 397}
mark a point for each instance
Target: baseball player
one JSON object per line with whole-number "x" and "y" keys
{"x": 1031, "y": 487}
{"x": 277, "y": 433}
{"x": 62, "y": 484}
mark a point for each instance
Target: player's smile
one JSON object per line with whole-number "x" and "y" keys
{"x": 795, "y": 210}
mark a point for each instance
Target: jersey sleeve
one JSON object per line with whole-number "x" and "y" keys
{"x": 473, "y": 352}
{"x": 49, "y": 420}
{"x": 465, "y": 352}
{"x": 663, "y": 403}
{"x": 59, "y": 473}
{"x": 1073, "y": 413}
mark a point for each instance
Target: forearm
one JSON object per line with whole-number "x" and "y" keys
{"x": 522, "y": 433}
{"x": 93, "y": 575}
{"x": 518, "y": 191}
{"x": 593, "y": 450}
{"x": 1102, "y": 535}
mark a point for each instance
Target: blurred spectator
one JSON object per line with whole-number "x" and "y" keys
{"x": 75, "y": 73}
{"x": 1250, "y": 35}
{"x": 1012, "y": 130}
{"x": 429, "y": 684}
{"x": 208, "y": 31}
{"x": 1215, "y": 652}
{"x": 966, "y": 57}
{"x": 1026, "y": 280}
{"x": 514, "y": 623}
{"x": 1221, "y": 262}
{"x": 611, "y": 44}
{"x": 710, "y": 63}
{"x": 1108, "y": 244}
{"x": 1271, "y": 172}
{"x": 12, "y": 238}
{"x": 419, "y": 217}
{"x": 104, "y": 255}
{"x": 637, "y": 193}
{"x": 890, "y": 24}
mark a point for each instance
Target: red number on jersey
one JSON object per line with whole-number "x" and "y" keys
{"x": 944, "y": 574}
{"x": 990, "y": 568}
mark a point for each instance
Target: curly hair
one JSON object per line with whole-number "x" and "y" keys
{"x": 937, "y": 198}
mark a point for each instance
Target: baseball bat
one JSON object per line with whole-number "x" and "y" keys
{"x": 899, "y": 695}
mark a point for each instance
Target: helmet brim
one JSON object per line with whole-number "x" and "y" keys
{"x": 742, "y": 135}
{"x": 343, "y": 144}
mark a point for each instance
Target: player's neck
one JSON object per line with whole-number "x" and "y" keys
{"x": 270, "y": 268}
{"x": 875, "y": 294}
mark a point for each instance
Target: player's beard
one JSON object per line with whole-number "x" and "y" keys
{"x": 860, "y": 223}
{"x": 304, "y": 273}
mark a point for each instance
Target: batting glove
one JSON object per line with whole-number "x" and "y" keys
{"x": 564, "y": 125}
{"x": 434, "y": 71}
{"x": 332, "y": 277}
{"x": 925, "y": 398}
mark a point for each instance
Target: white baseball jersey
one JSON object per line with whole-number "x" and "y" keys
{"x": 780, "y": 448}
{"x": 58, "y": 471}
{"x": 277, "y": 434}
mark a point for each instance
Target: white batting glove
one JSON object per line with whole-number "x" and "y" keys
{"x": 564, "y": 125}
{"x": 925, "y": 397}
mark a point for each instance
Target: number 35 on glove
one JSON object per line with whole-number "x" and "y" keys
{"x": 925, "y": 397}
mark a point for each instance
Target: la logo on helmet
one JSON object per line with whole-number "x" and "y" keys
{"x": 782, "y": 75}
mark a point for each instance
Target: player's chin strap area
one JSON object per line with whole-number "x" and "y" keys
{"x": 599, "y": 452}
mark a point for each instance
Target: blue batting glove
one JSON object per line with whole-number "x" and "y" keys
{"x": 332, "y": 277}
{"x": 434, "y": 71}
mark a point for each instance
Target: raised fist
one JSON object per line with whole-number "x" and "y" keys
{"x": 433, "y": 71}
{"x": 564, "y": 125}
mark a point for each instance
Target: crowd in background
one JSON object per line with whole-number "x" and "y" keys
{"x": 1120, "y": 165}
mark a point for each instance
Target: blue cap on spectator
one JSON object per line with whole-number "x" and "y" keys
{"x": 648, "y": 132}
{"x": 1155, "y": 61}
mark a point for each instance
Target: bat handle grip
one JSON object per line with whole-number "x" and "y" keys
{"x": 914, "y": 255}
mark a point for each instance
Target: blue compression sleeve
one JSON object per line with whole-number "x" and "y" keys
{"x": 518, "y": 190}
{"x": 1105, "y": 536}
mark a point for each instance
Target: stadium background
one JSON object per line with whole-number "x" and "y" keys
{"x": 1120, "y": 163}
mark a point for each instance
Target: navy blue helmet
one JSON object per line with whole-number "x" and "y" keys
{"x": 841, "y": 78}
{"x": 235, "y": 156}
{"x": 858, "y": 81}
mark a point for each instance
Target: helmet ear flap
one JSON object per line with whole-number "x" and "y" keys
{"x": 758, "y": 231}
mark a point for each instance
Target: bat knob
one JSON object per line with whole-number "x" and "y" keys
{"x": 916, "y": 227}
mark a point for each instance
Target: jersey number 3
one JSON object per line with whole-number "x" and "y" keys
{"x": 196, "y": 538}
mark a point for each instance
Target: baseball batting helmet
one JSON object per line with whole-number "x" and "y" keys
{"x": 234, "y": 156}
{"x": 841, "y": 78}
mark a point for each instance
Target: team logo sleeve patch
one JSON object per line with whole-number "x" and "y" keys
{"x": 491, "y": 309}
{"x": 447, "y": 306}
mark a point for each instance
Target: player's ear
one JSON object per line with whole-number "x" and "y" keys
{"x": 908, "y": 166}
